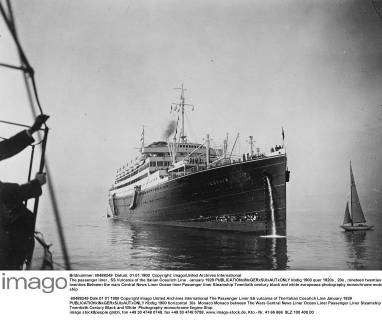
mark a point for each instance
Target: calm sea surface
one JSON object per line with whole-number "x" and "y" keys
{"x": 314, "y": 241}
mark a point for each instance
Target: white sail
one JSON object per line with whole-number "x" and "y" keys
{"x": 347, "y": 218}
{"x": 356, "y": 210}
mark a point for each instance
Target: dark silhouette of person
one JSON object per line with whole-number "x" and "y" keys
{"x": 16, "y": 220}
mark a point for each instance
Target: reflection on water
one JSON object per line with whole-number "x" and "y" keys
{"x": 313, "y": 243}
{"x": 357, "y": 249}
{"x": 161, "y": 247}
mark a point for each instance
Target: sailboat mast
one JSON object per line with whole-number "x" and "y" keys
{"x": 351, "y": 195}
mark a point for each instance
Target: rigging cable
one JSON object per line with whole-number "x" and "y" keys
{"x": 29, "y": 72}
{"x": 191, "y": 130}
{"x": 377, "y": 10}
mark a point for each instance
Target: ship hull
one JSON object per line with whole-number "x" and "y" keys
{"x": 248, "y": 196}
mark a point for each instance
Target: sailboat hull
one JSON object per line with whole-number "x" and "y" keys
{"x": 357, "y": 228}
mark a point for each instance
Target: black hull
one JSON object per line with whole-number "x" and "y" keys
{"x": 233, "y": 197}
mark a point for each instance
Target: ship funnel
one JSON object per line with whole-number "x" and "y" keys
{"x": 171, "y": 127}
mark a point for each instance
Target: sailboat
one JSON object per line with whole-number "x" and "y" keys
{"x": 354, "y": 220}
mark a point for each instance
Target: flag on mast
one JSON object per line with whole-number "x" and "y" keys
{"x": 283, "y": 133}
{"x": 143, "y": 138}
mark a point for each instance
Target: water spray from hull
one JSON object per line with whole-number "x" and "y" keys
{"x": 273, "y": 217}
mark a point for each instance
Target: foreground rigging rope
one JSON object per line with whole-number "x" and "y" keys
{"x": 377, "y": 7}
{"x": 32, "y": 93}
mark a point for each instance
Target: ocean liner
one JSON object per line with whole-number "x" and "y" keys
{"x": 180, "y": 183}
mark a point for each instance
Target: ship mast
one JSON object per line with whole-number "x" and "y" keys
{"x": 182, "y": 136}
{"x": 225, "y": 146}
{"x": 251, "y": 144}
{"x": 180, "y": 107}
{"x": 208, "y": 151}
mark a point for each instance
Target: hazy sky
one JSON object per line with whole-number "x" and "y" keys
{"x": 105, "y": 68}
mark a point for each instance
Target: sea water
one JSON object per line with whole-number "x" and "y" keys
{"x": 314, "y": 241}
